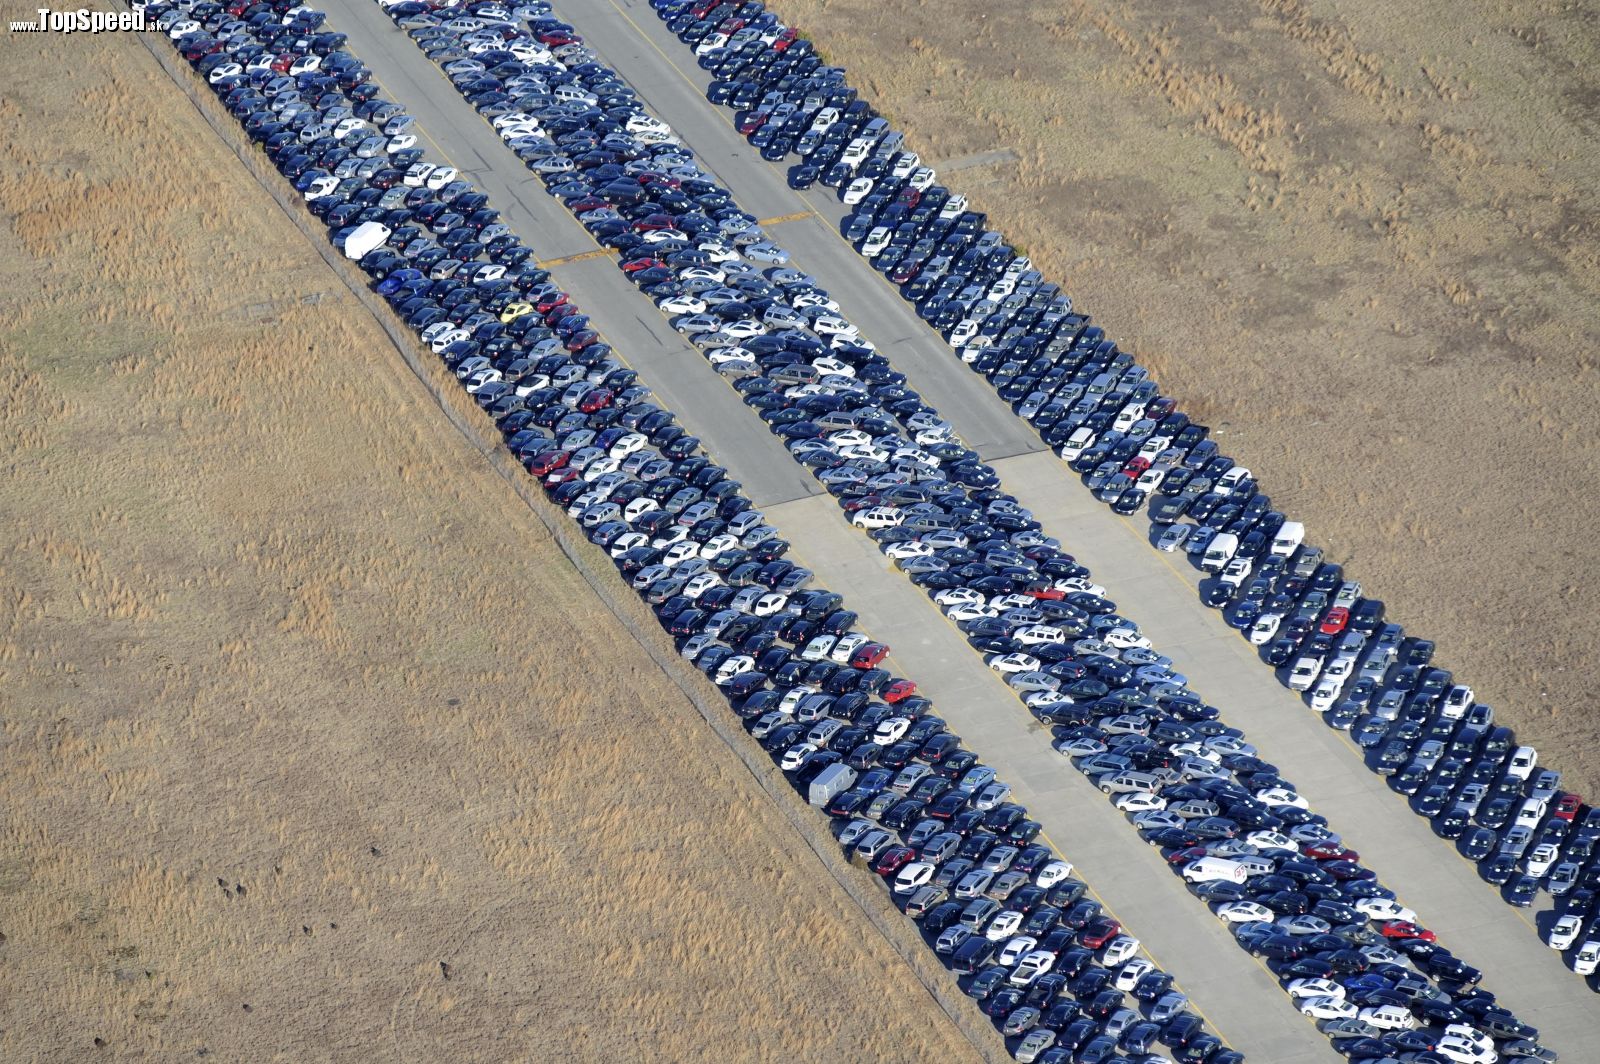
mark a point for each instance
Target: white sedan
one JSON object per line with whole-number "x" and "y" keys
{"x": 913, "y": 876}
{"x": 1052, "y": 873}
{"x": 1246, "y": 912}
{"x": 1118, "y": 950}
{"x": 1129, "y": 974}
{"x": 1564, "y": 932}
{"x": 1015, "y": 949}
{"x": 858, "y": 190}
{"x": 1311, "y": 988}
{"x": 1140, "y": 801}
{"x": 684, "y": 304}
{"x": 1327, "y": 1008}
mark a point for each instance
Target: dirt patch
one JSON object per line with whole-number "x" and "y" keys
{"x": 1361, "y": 242}
{"x": 316, "y": 747}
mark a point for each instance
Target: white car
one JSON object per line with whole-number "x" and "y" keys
{"x": 1587, "y": 959}
{"x": 732, "y": 668}
{"x": 1327, "y": 1008}
{"x": 1031, "y": 967}
{"x": 684, "y": 304}
{"x": 1004, "y": 926}
{"x": 1389, "y": 1018}
{"x": 888, "y": 732}
{"x": 1139, "y": 801}
{"x": 858, "y": 190}
{"x": 1246, "y": 912}
{"x": 845, "y": 646}
{"x": 1015, "y": 949}
{"x": 1129, "y": 974}
{"x": 1564, "y": 932}
{"x": 1236, "y": 572}
{"x": 912, "y": 877}
{"x": 1326, "y": 693}
{"x": 1459, "y": 1050}
{"x": 1522, "y": 763}
{"x": 1381, "y": 910}
{"x": 1265, "y": 628}
{"x": 1014, "y": 663}
{"x": 971, "y": 611}
{"x": 1052, "y": 873}
{"x": 877, "y": 517}
{"x": 1540, "y": 858}
{"x": 796, "y": 756}
{"x": 1309, "y": 988}
{"x": 1281, "y": 796}
{"x": 1118, "y": 950}
{"x": 1304, "y": 673}
{"x": 1126, "y": 638}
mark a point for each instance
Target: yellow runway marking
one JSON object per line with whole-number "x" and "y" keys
{"x": 797, "y": 216}
{"x": 597, "y": 253}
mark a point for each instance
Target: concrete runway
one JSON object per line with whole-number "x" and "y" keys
{"x": 1232, "y": 989}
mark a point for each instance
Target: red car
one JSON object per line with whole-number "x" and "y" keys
{"x": 752, "y": 122}
{"x": 1406, "y": 930}
{"x": 868, "y": 655}
{"x": 1193, "y": 853}
{"x": 1335, "y": 621}
{"x": 895, "y": 690}
{"x": 1329, "y": 851}
{"x": 785, "y": 39}
{"x": 548, "y": 462}
{"x": 598, "y": 399}
{"x": 648, "y": 262}
{"x": 1567, "y": 807}
{"x": 1135, "y": 467}
{"x": 893, "y": 859}
{"x": 1098, "y": 932}
{"x": 1054, "y": 594}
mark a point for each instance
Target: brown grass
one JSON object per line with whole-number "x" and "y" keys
{"x": 1361, "y": 240}
{"x": 302, "y": 760}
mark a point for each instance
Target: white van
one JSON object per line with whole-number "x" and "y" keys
{"x": 1254, "y": 865}
{"x": 1213, "y": 869}
{"x": 1288, "y": 538}
{"x": 368, "y": 236}
{"x": 1219, "y": 552}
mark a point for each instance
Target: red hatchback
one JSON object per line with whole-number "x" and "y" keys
{"x": 868, "y": 655}
{"x": 1099, "y": 931}
{"x": 1335, "y": 621}
{"x": 893, "y": 859}
{"x": 1406, "y": 930}
{"x": 896, "y": 690}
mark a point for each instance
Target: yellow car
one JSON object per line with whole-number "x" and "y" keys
{"x": 514, "y": 311}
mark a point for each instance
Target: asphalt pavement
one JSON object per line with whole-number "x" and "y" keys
{"x": 1232, "y": 989}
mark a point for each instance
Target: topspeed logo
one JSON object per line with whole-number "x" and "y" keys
{"x": 82, "y": 20}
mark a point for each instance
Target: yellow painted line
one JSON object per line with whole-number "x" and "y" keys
{"x": 797, "y": 216}
{"x": 597, "y": 253}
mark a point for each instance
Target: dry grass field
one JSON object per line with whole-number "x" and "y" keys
{"x": 303, "y": 756}
{"x": 1361, "y": 240}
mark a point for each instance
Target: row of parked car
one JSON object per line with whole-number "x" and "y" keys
{"x": 661, "y": 218}
{"x": 786, "y": 653}
{"x": 1088, "y": 400}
